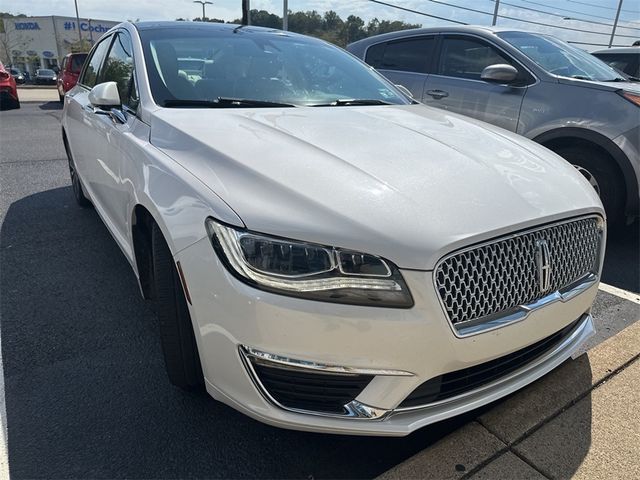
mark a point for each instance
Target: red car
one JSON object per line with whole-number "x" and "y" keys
{"x": 8, "y": 91}
{"x": 68, "y": 75}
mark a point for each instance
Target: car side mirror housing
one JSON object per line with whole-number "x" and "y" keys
{"x": 499, "y": 73}
{"x": 105, "y": 95}
{"x": 404, "y": 90}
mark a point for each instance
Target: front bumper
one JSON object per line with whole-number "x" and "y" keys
{"x": 228, "y": 314}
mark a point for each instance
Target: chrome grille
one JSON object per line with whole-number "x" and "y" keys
{"x": 497, "y": 277}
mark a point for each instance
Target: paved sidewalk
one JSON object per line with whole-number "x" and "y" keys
{"x": 580, "y": 421}
{"x": 38, "y": 94}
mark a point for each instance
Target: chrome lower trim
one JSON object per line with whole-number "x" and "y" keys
{"x": 353, "y": 410}
{"x": 319, "y": 367}
{"x": 467, "y": 401}
{"x": 486, "y": 324}
{"x": 519, "y": 378}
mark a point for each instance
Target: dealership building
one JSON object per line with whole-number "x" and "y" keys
{"x": 30, "y": 43}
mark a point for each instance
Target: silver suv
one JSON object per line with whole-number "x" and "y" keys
{"x": 531, "y": 84}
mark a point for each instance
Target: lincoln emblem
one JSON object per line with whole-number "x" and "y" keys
{"x": 543, "y": 261}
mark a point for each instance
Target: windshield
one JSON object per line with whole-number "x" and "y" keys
{"x": 202, "y": 65}
{"x": 43, "y": 71}
{"x": 560, "y": 58}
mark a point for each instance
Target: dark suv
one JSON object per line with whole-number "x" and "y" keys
{"x": 625, "y": 59}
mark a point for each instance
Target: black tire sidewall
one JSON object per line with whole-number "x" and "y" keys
{"x": 179, "y": 348}
{"x": 609, "y": 180}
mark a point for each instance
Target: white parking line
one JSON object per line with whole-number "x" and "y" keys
{"x": 618, "y": 292}
{"x": 4, "y": 447}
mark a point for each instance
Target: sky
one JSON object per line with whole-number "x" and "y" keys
{"x": 569, "y": 13}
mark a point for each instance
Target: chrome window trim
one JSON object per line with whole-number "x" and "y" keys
{"x": 520, "y": 312}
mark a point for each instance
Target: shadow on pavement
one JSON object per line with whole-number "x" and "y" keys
{"x": 86, "y": 392}
{"x": 54, "y": 105}
{"x": 622, "y": 260}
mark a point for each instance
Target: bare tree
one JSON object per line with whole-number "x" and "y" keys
{"x": 10, "y": 41}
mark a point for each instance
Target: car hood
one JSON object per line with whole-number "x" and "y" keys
{"x": 408, "y": 183}
{"x": 633, "y": 87}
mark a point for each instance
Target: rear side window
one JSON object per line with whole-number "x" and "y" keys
{"x": 408, "y": 55}
{"x": 90, "y": 75}
{"x": 627, "y": 63}
{"x": 467, "y": 57}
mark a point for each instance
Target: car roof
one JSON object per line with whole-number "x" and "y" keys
{"x": 635, "y": 50}
{"x": 221, "y": 27}
{"x": 214, "y": 26}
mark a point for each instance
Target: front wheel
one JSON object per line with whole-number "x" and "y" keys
{"x": 181, "y": 358}
{"x": 603, "y": 176}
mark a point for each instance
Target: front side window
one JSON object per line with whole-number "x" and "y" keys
{"x": 560, "y": 58}
{"x": 90, "y": 75}
{"x": 119, "y": 68}
{"x": 204, "y": 64}
{"x": 409, "y": 55}
{"x": 467, "y": 57}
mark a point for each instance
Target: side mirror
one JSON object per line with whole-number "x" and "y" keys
{"x": 404, "y": 90}
{"x": 105, "y": 100}
{"x": 105, "y": 95}
{"x": 499, "y": 73}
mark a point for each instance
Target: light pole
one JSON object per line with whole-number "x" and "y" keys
{"x": 495, "y": 13}
{"x": 203, "y": 4}
{"x": 78, "y": 20}
{"x": 285, "y": 15}
{"x": 615, "y": 24}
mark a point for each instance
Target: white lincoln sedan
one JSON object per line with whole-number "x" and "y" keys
{"x": 323, "y": 252}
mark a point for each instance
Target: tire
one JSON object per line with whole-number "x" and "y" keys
{"x": 78, "y": 192}
{"x": 599, "y": 169}
{"x": 179, "y": 347}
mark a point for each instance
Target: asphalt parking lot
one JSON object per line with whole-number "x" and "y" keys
{"x": 84, "y": 384}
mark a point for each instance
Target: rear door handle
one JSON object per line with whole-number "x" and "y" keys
{"x": 437, "y": 94}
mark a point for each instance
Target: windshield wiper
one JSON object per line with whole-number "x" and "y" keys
{"x": 581, "y": 77}
{"x": 617, "y": 79}
{"x": 224, "y": 102}
{"x": 351, "y": 101}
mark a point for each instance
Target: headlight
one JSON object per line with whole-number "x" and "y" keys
{"x": 632, "y": 97}
{"x": 308, "y": 270}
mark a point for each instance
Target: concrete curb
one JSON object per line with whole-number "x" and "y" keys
{"x": 523, "y": 436}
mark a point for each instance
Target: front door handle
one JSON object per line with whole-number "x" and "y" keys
{"x": 437, "y": 94}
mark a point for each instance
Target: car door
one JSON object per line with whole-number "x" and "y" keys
{"x": 84, "y": 126}
{"x": 119, "y": 134}
{"x": 97, "y": 135}
{"x": 456, "y": 85}
{"x": 405, "y": 62}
